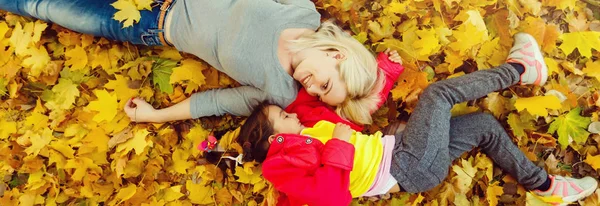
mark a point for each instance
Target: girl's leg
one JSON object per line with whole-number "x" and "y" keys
{"x": 94, "y": 17}
{"x": 422, "y": 155}
{"x": 484, "y": 131}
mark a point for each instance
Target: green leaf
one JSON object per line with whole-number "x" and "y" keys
{"x": 518, "y": 125}
{"x": 570, "y": 126}
{"x": 75, "y": 76}
{"x": 161, "y": 74}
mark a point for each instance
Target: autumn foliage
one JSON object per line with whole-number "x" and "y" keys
{"x": 65, "y": 140}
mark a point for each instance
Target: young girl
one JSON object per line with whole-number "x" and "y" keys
{"x": 265, "y": 45}
{"x": 329, "y": 164}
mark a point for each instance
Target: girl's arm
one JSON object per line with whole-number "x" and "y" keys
{"x": 329, "y": 185}
{"x": 389, "y": 62}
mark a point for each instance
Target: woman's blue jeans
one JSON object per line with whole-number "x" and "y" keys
{"x": 94, "y": 17}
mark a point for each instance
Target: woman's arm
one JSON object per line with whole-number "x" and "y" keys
{"x": 238, "y": 101}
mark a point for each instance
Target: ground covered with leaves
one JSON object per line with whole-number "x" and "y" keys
{"x": 65, "y": 140}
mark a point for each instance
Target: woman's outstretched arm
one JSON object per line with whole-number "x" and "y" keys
{"x": 237, "y": 101}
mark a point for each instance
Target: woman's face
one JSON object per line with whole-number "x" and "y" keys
{"x": 319, "y": 75}
{"x": 282, "y": 121}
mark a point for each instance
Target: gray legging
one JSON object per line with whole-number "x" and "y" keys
{"x": 432, "y": 138}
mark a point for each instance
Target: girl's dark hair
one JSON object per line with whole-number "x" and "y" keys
{"x": 253, "y": 137}
{"x": 254, "y": 134}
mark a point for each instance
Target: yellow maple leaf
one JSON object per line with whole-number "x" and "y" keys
{"x": 552, "y": 65}
{"x": 121, "y": 88}
{"x": 97, "y": 138}
{"x": 3, "y": 30}
{"x": 593, "y": 161}
{"x": 144, "y": 4}
{"x": 63, "y": 148}
{"x": 428, "y": 43}
{"x": 171, "y": 193}
{"x": 38, "y": 27}
{"x": 584, "y": 41}
{"x": 101, "y": 58}
{"x": 128, "y": 12}
{"x": 380, "y": 29}
{"x": 78, "y": 58}
{"x": 592, "y": 69}
{"x": 38, "y": 141}
{"x": 7, "y": 128}
{"x": 37, "y": 60}
{"x": 199, "y": 194}
{"x": 188, "y": 70}
{"x": 138, "y": 143}
{"x": 180, "y": 161}
{"x": 560, "y": 4}
{"x": 246, "y": 177}
{"x": 538, "y": 105}
{"x": 21, "y": 37}
{"x": 124, "y": 194}
{"x": 81, "y": 166}
{"x": 464, "y": 176}
{"x": 106, "y": 105}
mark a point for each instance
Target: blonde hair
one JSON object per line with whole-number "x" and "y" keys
{"x": 359, "y": 70}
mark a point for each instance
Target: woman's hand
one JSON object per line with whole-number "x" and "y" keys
{"x": 139, "y": 110}
{"x": 393, "y": 56}
{"x": 342, "y": 131}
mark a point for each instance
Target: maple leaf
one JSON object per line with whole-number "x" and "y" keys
{"x": 38, "y": 141}
{"x": 592, "y": 69}
{"x": 3, "y": 30}
{"x": 380, "y": 29}
{"x": 199, "y": 194}
{"x": 171, "y": 193}
{"x": 144, "y": 4}
{"x": 81, "y": 166}
{"x": 180, "y": 163}
{"x": 428, "y": 43}
{"x": 560, "y": 4}
{"x": 593, "y": 161}
{"x": 21, "y": 37}
{"x": 127, "y": 12}
{"x": 248, "y": 177}
{"x": 124, "y": 194}
{"x": 584, "y": 41}
{"x": 7, "y": 128}
{"x": 161, "y": 74}
{"x": 537, "y": 105}
{"x": 188, "y": 70}
{"x": 37, "y": 60}
{"x": 570, "y": 127}
{"x": 78, "y": 58}
{"x": 138, "y": 143}
{"x": 97, "y": 138}
{"x": 464, "y": 176}
{"x": 37, "y": 120}
{"x": 106, "y": 105}
{"x": 120, "y": 86}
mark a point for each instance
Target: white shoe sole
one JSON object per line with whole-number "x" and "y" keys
{"x": 585, "y": 193}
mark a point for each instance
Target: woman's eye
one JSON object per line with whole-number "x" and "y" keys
{"x": 325, "y": 86}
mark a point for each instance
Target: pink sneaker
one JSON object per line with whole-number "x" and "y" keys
{"x": 569, "y": 189}
{"x": 526, "y": 52}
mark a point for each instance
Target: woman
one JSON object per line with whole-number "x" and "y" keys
{"x": 265, "y": 45}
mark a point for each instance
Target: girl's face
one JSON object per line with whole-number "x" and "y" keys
{"x": 318, "y": 73}
{"x": 282, "y": 121}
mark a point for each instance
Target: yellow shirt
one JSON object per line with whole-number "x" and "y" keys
{"x": 367, "y": 155}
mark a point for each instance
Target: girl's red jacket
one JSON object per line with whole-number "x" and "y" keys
{"x": 310, "y": 110}
{"x": 306, "y": 171}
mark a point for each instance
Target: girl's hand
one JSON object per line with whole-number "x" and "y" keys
{"x": 393, "y": 56}
{"x": 342, "y": 131}
{"x": 139, "y": 110}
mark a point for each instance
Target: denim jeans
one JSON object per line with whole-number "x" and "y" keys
{"x": 94, "y": 17}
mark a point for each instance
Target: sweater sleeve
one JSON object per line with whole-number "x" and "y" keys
{"x": 328, "y": 185}
{"x": 238, "y": 101}
{"x": 392, "y": 71}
